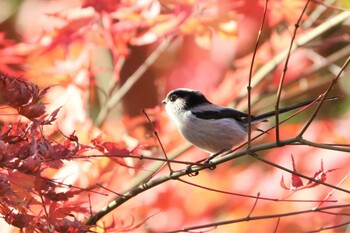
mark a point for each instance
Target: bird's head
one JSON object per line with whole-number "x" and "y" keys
{"x": 183, "y": 99}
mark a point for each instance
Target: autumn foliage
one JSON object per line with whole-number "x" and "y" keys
{"x": 86, "y": 146}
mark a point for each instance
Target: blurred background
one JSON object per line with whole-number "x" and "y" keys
{"x": 108, "y": 60}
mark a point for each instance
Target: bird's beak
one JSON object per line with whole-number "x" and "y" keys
{"x": 164, "y": 101}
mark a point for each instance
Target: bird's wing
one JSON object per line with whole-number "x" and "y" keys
{"x": 220, "y": 113}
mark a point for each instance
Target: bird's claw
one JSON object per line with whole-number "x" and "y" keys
{"x": 190, "y": 172}
{"x": 209, "y": 164}
{"x": 213, "y": 156}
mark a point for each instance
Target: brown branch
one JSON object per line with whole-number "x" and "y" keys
{"x": 176, "y": 174}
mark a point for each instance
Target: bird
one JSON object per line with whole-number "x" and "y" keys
{"x": 208, "y": 126}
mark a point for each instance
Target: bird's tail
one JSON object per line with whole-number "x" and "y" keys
{"x": 264, "y": 116}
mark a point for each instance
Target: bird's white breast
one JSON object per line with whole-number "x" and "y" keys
{"x": 212, "y": 135}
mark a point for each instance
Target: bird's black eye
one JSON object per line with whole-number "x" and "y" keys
{"x": 172, "y": 98}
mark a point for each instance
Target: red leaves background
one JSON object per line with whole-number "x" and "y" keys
{"x": 75, "y": 76}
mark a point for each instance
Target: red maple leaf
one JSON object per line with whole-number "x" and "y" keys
{"x": 296, "y": 182}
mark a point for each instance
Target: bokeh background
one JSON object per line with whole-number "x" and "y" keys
{"x": 106, "y": 61}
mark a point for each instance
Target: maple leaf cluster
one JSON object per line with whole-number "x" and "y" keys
{"x": 25, "y": 154}
{"x": 30, "y": 198}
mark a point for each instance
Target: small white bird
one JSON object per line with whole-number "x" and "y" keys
{"x": 208, "y": 126}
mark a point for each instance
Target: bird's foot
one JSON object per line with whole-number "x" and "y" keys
{"x": 211, "y": 157}
{"x": 190, "y": 172}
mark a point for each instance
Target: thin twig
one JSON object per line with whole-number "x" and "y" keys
{"x": 284, "y": 72}
{"x": 323, "y": 146}
{"x": 249, "y": 87}
{"x": 255, "y": 203}
{"x": 277, "y": 224}
{"x": 109, "y": 190}
{"x": 90, "y": 206}
{"x": 330, "y": 227}
{"x": 333, "y": 190}
{"x": 335, "y": 213}
{"x": 325, "y": 95}
{"x": 259, "y": 217}
{"x": 158, "y": 139}
{"x": 46, "y": 213}
{"x": 249, "y": 196}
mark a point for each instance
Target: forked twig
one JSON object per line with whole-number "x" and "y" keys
{"x": 285, "y": 68}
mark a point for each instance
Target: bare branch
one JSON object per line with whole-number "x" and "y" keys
{"x": 176, "y": 174}
{"x": 249, "y": 87}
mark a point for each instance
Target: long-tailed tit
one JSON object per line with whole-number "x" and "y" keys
{"x": 208, "y": 126}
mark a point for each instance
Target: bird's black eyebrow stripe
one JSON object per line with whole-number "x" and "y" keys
{"x": 221, "y": 114}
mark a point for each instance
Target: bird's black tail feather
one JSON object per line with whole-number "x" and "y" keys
{"x": 284, "y": 110}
